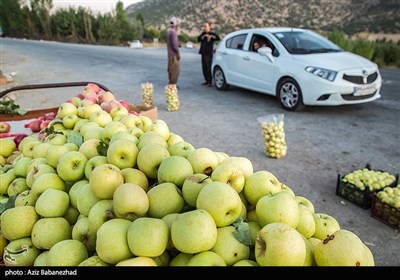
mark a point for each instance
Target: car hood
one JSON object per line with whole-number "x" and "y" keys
{"x": 334, "y": 61}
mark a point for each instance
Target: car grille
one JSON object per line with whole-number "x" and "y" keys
{"x": 350, "y": 97}
{"x": 359, "y": 79}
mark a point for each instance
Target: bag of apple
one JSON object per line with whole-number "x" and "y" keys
{"x": 171, "y": 93}
{"x": 147, "y": 94}
{"x": 274, "y": 135}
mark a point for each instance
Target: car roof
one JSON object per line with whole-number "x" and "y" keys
{"x": 266, "y": 29}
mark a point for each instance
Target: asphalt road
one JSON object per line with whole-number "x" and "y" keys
{"x": 322, "y": 141}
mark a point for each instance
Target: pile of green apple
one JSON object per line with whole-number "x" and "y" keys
{"x": 365, "y": 177}
{"x": 274, "y": 138}
{"x": 119, "y": 189}
{"x": 390, "y": 196}
{"x": 171, "y": 93}
{"x": 147, "y": 94}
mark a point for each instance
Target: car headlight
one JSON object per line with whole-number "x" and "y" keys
{"x": 321, "y": 72}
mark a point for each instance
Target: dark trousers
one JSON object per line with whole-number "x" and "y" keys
{"x": 206, "y": 66}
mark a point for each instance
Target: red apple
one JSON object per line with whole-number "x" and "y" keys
{"x": 17, "y": 139}
{"x": 35, "y": 125}
{"x": 93, "y": 87}
{"x": 4, "y": 127}
{"x": 44, "y": 124}
{"x": 50, "y": 116}
{"x": 105, "y": 96}
{"x": 109, "y": 105}
{"x": 124, "y": 103}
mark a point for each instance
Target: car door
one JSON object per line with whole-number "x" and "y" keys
{"x": 257, "y": 71}
{"x": 232, "y": 58}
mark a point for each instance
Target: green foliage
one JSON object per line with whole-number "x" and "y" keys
{"x": 364, "y": 48}
{"x": 340, "y": 39}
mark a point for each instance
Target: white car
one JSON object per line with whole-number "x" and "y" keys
{"x": 189, "y": 45}
{"x": 136, "y": 44}
{"x": 298, "y": 66}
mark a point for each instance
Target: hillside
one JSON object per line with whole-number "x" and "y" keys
{"x": 350, "y": 16}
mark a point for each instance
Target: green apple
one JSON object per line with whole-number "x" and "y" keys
{"x": 309, "y": 259}
{"x": 174, "y": 169}
{"x": 84, "y": 112}
{"x": 52, "y": 203}
{"x": 306, "y": 202}
{"x": 324, "y": 225}
{"x": 87, "y": 126}
{"x": 118, "y": 111}
{"x": 203, "y": 160}
{"x": 34, "y": 163}
{"x": 148, "y": 237}
{"x": 146, "y": 121}
{"x": 65, "y": 109}
{"x": 101, "y": 117}
{"x": 135, "y": 131}
{"x": 306, "y": 225}
{"x": 82, "y": 232}
{"x": 41, "y": 259}
{"x": 221, "y": 201}
{"x": 56, "y": 139}
{"x": 124, "y": 135}
{"x": 280, "y": 207}
{"x": 254, "y": 229}
{"x": 231, "y": 174}
{"x": 221, "y": 156}
{"x": 93, "y": 133}
{"x": 192, "y": 186}
{"x": 164, "y": 198}
{"x": 47, "y": 181}
{"x": 135, "y": 176}
{"x": 181, "y": 149}
{"x": 194, "y": 231}
{"x": 27, "y": 139}
{"x": 206, "y": 258}
{"x": 74, "y": 192}
{"x": 93, "y": 261}
{"x": 20, "y": 252}
{"x": 342, "y": 248}
{"x": 18, "y": 222}
{"x": 89, "y": 148}
{"x": 122, "y": 153}
{"x": 150, "y": 157}
{"x": 93, "y": 163}
{"x": 161, "y": 127}
{"x": 181, "y": 259}
{"x": 67, "y": 253}
{"x": 21, "y": 166}
{"x": 38, "y": 171}
{"x": 287, "y": 189}
{"x": 163, "y": 259}
{"x": 245, "y": 263}
{"x": 259, "y": 184}
{"x": 313, "y": 242}
{"x": 71, "y": 166}
{"x": 54, "y": 153}
{"x": 17, "y": 186}
{"x": 151, "y": 137}
{"x": 100, "y": 213}
{"x": 174, "y": 138}
{"x": 104, "y": 179}
{"x": 279, "y": 244}
{"x": 137, "y": 261}
{"x": 5, "y": 180}
{"x": 70, "y": 120}
{"x": 111, "y": 242}
{"x": 110, "y": 129}
{"x": 71, "y": 215}
{"x": 131, "y": 121}
{"x": 48, "y": 231}
{"x": 26, "y": 198}
{"x": 78, "y": 125}
{"x": 27, "y": 150}
{"x": 244, "y": 163}
{"x": 228, "y": 247}
{"x": 130, "y": 202}
{"x": 168, "y": 219}
{"x": 86, "y": 199}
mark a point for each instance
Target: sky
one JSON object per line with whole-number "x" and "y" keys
{"x": 97, "y": 6}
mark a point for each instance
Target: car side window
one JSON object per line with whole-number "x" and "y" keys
{"x": 236, "y": 42}
{"x": 262, "y": 41}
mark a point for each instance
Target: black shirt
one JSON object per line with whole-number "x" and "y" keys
{"x": 207, "y": 47}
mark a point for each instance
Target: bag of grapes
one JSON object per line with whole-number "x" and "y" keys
{"x": 274, "y": 135}
{"x": 171, "y": 93}
{"x": 147, "y": 94}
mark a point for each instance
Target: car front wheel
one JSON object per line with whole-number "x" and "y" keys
{"x": 219, "y": 79}
{"x": 289, "y": 95}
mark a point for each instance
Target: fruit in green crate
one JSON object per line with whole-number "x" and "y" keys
{"x": 280, "y": 207}
{"x": 67, "y": 253}
{"x": 122, "y": 153}
{"x": 374, "y": 179}
{"x": 148, "y": 237}
{"x": 221, "y": 201}
{"x": 20, "y": 252}
{"x": 115, "y": 249}
{"x": 18, "y": 222}
{"x": 104, "y": 179}
{"x": 324, "y": 225}
{"x": 193, "y": 231}
{"x": 174, "y": 169}
{"x": 48, "y": 231}
{"x": 390, "y": 196}
{"x": 192, "y": 186}
{"x": 164, "y": 199}
{"x": 130, "y": 202}
{"x": 279, "y": 244}
{"x": 342, "y": 248}
{"x": 260, "y": 183}
{"x": 52, "y": 203}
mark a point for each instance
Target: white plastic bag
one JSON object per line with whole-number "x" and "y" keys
{"x": 274, "y": 135}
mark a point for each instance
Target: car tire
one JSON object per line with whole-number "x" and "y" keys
{"x": 289, "y": 95}
{"x": 219, "y": 79}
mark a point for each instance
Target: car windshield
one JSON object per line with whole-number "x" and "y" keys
{"x": 300, "y": 42}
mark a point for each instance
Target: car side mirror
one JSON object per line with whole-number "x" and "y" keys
{"x": 266, "y": 51}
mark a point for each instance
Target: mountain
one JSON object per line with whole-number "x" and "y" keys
{"x": 349, "y": 16}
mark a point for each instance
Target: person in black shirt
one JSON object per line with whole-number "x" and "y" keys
{"x": 207, "y": 39}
